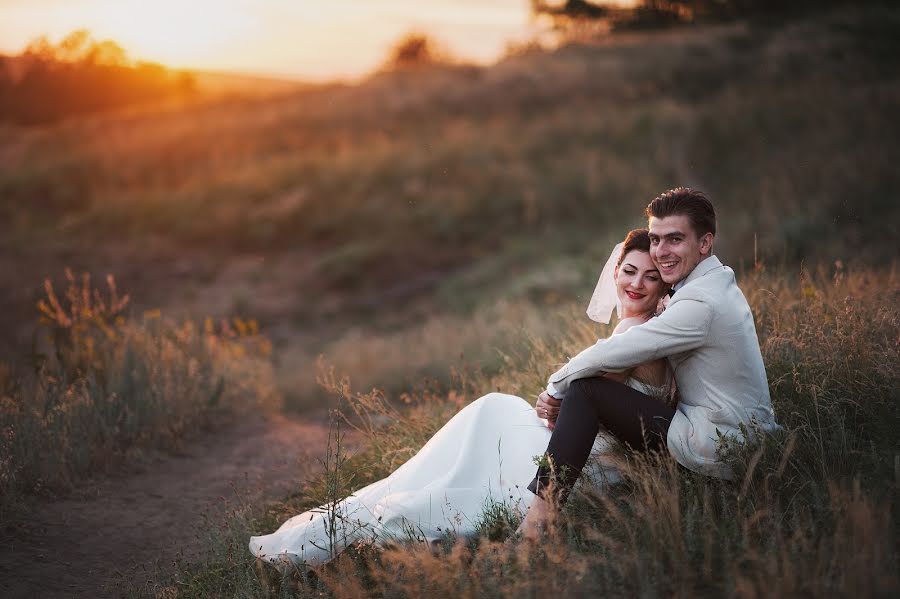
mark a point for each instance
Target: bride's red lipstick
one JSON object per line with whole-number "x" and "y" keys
{"x": 633, "y": 295}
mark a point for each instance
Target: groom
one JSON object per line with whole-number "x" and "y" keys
{"x": 708, "y": 335}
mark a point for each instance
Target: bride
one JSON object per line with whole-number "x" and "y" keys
{"x": 485, "y": 454}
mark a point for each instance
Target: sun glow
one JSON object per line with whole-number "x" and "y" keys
{"x": 175, "y": 32}
{"x": 308, "y": 38}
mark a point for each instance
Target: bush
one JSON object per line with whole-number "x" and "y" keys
{"x": 110, "y": 387}
{"x": 415, "y": 49}
{"x": 48, "y": 83}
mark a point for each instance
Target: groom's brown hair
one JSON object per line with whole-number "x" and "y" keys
{"x": 691, "y": 203}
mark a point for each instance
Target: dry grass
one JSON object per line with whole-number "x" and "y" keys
{"x": 436, "y": 179}
{"x": 812, "y": 511}
{"x": 106, "y": 388}
{"x": 443, "y": 162}
{"x": 358, "y": 201}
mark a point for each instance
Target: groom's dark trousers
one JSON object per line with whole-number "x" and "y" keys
{"x": 637, "y": 420}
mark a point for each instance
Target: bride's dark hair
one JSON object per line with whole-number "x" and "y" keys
{"x": 637, "y": 239}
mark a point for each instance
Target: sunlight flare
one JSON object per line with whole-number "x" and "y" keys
{"x": 178, "y": 33}
{"x": 298, "y": 38}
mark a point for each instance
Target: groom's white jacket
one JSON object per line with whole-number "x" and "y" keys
{"x": 708, "y": 335}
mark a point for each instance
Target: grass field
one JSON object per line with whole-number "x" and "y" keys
{"x": 782, "y": 125}
{"x": 811, "y": 511}
{"x": 434, "y": 232}
{"x": 321, "y": 211}
{"x": 106, "y": 389}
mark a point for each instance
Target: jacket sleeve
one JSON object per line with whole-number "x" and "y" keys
{"x": 682, "y": 327}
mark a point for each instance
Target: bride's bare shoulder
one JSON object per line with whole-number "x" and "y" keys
{"x": 627, "y": 323}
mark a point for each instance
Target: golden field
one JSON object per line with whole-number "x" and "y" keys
{"x": 434, "y": 232}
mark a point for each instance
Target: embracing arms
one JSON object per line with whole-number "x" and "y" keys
{"x": 682, "y": 327}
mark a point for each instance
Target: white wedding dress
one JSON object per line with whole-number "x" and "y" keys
{"x": 484, "y": 454}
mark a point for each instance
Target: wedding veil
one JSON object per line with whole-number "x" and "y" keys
{"x": 605, "y": 298}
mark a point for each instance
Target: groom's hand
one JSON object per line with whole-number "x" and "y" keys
{"x": 547, "y": 407}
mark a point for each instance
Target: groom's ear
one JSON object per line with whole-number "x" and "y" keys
{"x": 706, "y": 243}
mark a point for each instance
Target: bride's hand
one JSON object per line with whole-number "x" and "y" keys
{"x": 547, "y": 407}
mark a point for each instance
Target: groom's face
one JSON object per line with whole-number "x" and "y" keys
{"x": 675, "y": 247}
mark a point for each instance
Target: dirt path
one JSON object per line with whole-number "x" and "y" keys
{"x": 123, "y": 528}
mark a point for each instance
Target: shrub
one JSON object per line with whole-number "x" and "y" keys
{"x": 110, "y": 387}
{"x": 414, "y": 49}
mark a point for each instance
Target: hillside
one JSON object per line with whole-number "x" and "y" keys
{"x": 429, "y": 191}
{"x": 397, "y": 248}
{"x": 79, "y": 75}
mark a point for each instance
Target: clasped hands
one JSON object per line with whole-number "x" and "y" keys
{"x": 547, "y": 407}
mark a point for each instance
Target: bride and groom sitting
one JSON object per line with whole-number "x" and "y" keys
{"x": 706, "y": 334}
{"x": 705, "y": 338}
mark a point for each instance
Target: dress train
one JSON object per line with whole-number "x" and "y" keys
{"x": 484, "y": 454}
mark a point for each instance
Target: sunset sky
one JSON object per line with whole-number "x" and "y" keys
{"x": 298, "y": 38}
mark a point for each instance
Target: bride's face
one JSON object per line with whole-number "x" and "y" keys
{"x": 638, "y": 284}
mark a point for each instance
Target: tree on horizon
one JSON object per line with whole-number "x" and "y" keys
{"x": 79, "y": 75}
{"x": 660, "y": 13}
